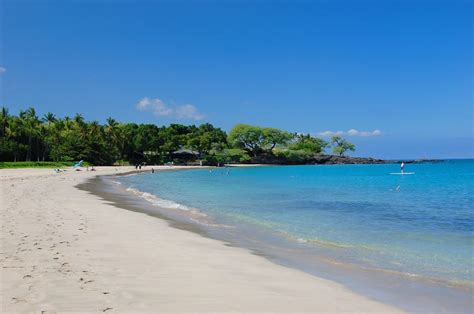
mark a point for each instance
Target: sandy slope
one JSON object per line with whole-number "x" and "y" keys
{"x": 64, "y": 250}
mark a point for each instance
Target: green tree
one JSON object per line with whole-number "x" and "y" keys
{"x": 4, "y": 121}
{"x": 219, "y": 156}
{"x": 7, "y": 143}
{"x": 29, "y": 125}
{"x": 26, "y": 137}
{"x": 248, "y": 137}
{"x": 308, "y": 143}
{"x": 49, "y": 118}
{"x": 204, "y": 138}
{"x": 340, "y": 145}
{"x": 273, "y": 137}
{"x": 113, "y": 138}
{"x": 47, "y": 133}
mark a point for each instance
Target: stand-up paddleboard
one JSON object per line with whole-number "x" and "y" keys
{"x": 402, "y": 173}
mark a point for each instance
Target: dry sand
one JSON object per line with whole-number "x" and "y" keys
{"x": 65, "y": 250}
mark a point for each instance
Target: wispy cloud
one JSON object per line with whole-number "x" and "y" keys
{"x": 188, "y": 112}
{"x": 161, "y": 109}
{"x": 157, "y": 106}
{"x": 2, "y": 70}
{"x": 350, "y": 132}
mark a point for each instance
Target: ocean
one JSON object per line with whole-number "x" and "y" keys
{"x": 418, "y": 225}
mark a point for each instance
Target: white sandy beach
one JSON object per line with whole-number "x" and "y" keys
{"x": 65, "y": 250}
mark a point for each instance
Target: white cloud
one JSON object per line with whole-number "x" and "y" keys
{"x": 350, "y": 132}
{"x": 188, "y": 112}
{"x": 156, "y": 105}
{"x": 161, "y": 109}
{"x": 376, "y": 132}
{"x": 2, "y": 70}
{"x": 330, "y": 133}
{"x": 353, "y": 132}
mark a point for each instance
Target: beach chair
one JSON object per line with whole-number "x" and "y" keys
{"x": 78, "y": 165}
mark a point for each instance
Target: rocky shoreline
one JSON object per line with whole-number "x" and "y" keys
{"x": 336, "y": 160}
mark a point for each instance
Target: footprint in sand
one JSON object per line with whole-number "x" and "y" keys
{"x": 18, "y": 300}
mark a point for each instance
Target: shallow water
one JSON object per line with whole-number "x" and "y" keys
{"x": 419, "y": 224}
{"x": 402, "y": 240}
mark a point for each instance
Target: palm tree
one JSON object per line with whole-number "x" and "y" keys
{"x": 4, "y": 120}
{"x": 112, "y": 132}
{"x": 30, "y": 122}
{"x": 47, "y": 132}
{"x": 81, "y": 125}
{"x": 49, "y": 118}
{"x": 55, "y": 138}
{"x": 111, "y": 127}
{"x": 94, "y": 129}
{"x": 67, "y": 123}
{"x": 43, "y": 131}
{"x": 79, "y": 119}
{"x": 13, "y": 130}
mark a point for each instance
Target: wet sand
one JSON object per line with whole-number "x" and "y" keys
{"x": 66, "y": 250}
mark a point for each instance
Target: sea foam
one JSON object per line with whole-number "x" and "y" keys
{"x": 163, "y": 203}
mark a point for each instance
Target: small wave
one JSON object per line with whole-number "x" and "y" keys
{"x": 128, "y": 175}
{"x": 210, "y": 224}
{"x": 163, "y": 203}
{"x": 322, "y": 242}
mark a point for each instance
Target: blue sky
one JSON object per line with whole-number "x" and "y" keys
{"x": 398, "y": 74}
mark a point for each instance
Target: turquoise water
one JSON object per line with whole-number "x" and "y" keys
{"x": 420, "y": 224}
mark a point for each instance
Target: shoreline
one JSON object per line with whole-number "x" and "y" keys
{"x": 64, "y": 249}
{"x": 382, "y": 285}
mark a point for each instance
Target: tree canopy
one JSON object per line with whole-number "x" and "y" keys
{"x": 340, "y": 145}
{"x": 28, "y": 137}
{"x": 248, "y": 137}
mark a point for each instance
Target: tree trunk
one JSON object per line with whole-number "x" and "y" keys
{"x": 38, "y": 150}
{"x": 28, "y": 152}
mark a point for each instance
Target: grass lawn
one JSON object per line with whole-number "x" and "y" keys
{"x": 38, "y": 164}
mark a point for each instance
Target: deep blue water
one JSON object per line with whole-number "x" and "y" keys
{"x": 419, "y": 224}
